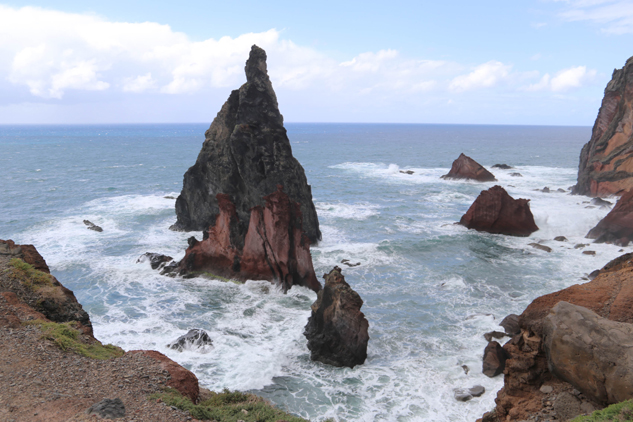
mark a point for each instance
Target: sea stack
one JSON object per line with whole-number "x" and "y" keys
{"x": 494, "y": 211}
{"x": 467, "y": 168}
{"x": 606, "y": 161}
{"x": 245, "y": 155}
{"x": 249, "y": 194}
{"x": 337, "y": 329}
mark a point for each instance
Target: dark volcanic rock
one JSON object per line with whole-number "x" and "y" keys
{"x": 502, "y": 167}
{"x": 108, "y": 409}
{"x": 494, "y": 361}
{"x": 494, "y": 211}
{"x": 606, "y": 161}
{"x": 616, "y": 225}
{"x": 511, "y": 324}
{"x": 156, "y": 260}
{"x": 245, "y": 155}
{"x": 337, "y": 329}
{"x": 467, "y": 168}
{"x": 541, "y": 247}
{"x": 193, "y": 339}
{"x": 92, "y": 226}
{"x": 274, "y": 247}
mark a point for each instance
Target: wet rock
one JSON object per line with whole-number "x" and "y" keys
{"x": 494, "y": 211}
{"x": 465, "y": 394}
{"x": 337, "y": 331}
{"x": 245, "y": 156}
{"x": 617, "y": 224}
{"x": 560, "y": 239}
{"x": 580, "y": 245}
{"x": 605, "y": 161}
{"x": 494, "y": 334}
{"x": 193, "y": 339}
{"x": 601, "y": 202}
{"x": 274, "y": 248}
{"x": 108, "y": 409}
{"x": 156, "y": 260}
{"x": 589, "y": 252}
{"x": 502, "y": 166}
{"x": 349, "y": 264}
{"x": 169, "y": 197}
{"x": 593, "y": 274}
{"x": 92, "y": 226}
{"x": 593, "y": 354}
{"x": 494, "y": 360}
{"x": 561, "y": 190}
{"x": 407, "y": 171}
{"x": 511, "y": 324}
{"x": 477, "y": 390}
{"x": 516, "y": 175}
{"x": 541, "y": 247}
{"x": 545, "y": 190}
{"x": 466, "y": 369}
{"x": 467, "y": 168}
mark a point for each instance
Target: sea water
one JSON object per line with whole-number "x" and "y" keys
{"x": 431, "y": 288}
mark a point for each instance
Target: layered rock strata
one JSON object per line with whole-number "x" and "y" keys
{"x": 606, "y": 161}
{"x": 467, "y": 168}
{"x": 245, "y": 155}
{"x": 274, "y": 248}
{"x": 494, "y": 211}
{"x": 337, "y": 331}
{"x": 530, "y": 388}
{"x": 617, "y": 225}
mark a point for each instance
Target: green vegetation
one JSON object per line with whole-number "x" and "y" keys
{"x": 619, "y": 412}
{"x": 227, "y": 407}
{"x": 31, "y": 278}
{"x": 67, "y": 337}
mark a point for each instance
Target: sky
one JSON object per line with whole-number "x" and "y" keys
{"x": 532, "y": 62}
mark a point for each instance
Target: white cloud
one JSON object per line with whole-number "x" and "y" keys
{"x": 613, "y": 16}
{"x": 139, "y": 84}
{"x": 564, "y": 80}
{"x": 483, "y": 76}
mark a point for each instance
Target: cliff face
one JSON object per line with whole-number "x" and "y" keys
{"x": 617, "y": 226}
{"x": 246, "y": 154}
{"x": 274, "y": 247}
{"x": 606, "y": 161}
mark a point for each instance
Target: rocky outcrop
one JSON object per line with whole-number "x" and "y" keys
{"x": 33, "y": 285}
{"x": 467, "y": 168}
{"x": 494, "y": 211}
{"x": 245, "y": 155}
{"x": 274, "y": 247}
{"x": 494, "y": 361}
{"x": 194, "y": 339}
{"x": 610, "y": 296}
{"x": 337, "y": 329}
{"x": 593, "y": 354}
{"x": 156, "y": 260}
{"x": 617, "y": 226}
{"x": 606, "y": 161}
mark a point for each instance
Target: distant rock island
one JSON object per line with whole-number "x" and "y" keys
{"x": 606, "y": 161}
{"x": 467, "y": 168}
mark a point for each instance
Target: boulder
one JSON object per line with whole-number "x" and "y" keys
{"x": 92, "y": 226}
{"x": 494, "y": 211}
{"x": 337, "y": 331}
{"x": 560, "y": 239}
{"x": 274, "y": 248}
{"x": 593, "y": 354}
{"x": 617, "y": 224}
{"x": 467, "y": 168}
{"x": 156, "y": 260}
{"x": 502, "y": 167}
{"x": 606, "y": 161}
{"x": 511, "y": 324}
{"x": 465, "y": 394}
{"x": 601, "y": 202}
{"x": 541, "y": 247}
{"x": 494, "y": 334}
{"x": 494, "y": 361}
{"x": 198, "y": 339}
{"x": 245, "y": 155}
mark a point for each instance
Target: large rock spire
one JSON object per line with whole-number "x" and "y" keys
{"x": 245, "y": 155}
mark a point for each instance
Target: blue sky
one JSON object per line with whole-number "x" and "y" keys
{"x": 489, "y": 62}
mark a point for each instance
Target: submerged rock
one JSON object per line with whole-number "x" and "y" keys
{"x": 617, "y": 225}
{"x": 541, "y": 247}
{"x": 467, "y": 168}
{"x": 516, "y": 175}
{"x": 245, "y": 155}
{"x": 193, "y": 339}
{"x": 337, "y": 331}
{"x": 502, "y": 167}
{"x": 92, "y": 226}
{"x": 560, "y": 239}
{"x": 494, "y": 211}
{"x": 156, "y": 260}
{"x": 601, "y": 202}
{"x": 407, "y": 171}
{"x": 465, "y": 394}
{"x": 606, "y": 161}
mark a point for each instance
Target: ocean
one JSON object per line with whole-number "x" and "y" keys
{"x": 431, "y": 288}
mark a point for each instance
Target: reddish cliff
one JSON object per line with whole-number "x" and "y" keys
{"x": 494, "y": 211}
{"x": 617, "y": 226}
{"x": 275, "y": 247}
{"x": 606, "y": 161}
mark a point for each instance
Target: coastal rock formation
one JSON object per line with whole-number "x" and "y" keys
{"x": 494, "y": 361}
{"x": 156, "y": 260}
{"x": 593, "y": 354}
{"x": 617, "y": 226}
{"x": 193, "y": 339}
{"x": 494, "y": 211}
{"x": 609, "y": 295}
{"x": 467, "y": 168}
{"x": 245, "y": 155}
{"x": 606, "y": 161}
{"x": 337, "y": 329}
{"x": 180, "y": 378}
{"x": 274, "y": 247}
{"x": 27, "y": 280}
